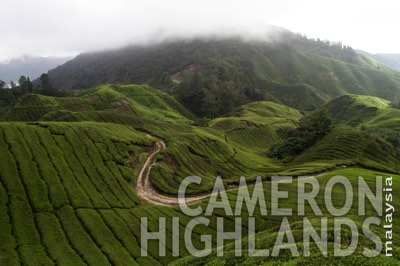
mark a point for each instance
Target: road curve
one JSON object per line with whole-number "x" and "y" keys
{"x": 146, "y": 191}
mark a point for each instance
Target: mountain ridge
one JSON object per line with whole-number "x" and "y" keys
{"x": 203, "y": 74}
{"x": 29, "y": 66}
{"x": 389, "y": 60}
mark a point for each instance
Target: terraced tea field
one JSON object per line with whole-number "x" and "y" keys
{"x": 269, "y": 227}
{"x": 68, "y": 193}
{"x": 55, "y": 180}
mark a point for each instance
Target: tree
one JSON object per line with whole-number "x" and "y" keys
{"x": 2, "y": 84}
{"x": 311, "y": 128}
{"x": 25, "y": 85}
{"x": 191, "y": 93}
{"x": 29, "y": 85}
{"x": 210, "y": 104}
{"x": 22, "y": 80}
{"x": 46, "y": 86}
{"x": 6, "y": 96}
{"x": 314, "y": 126}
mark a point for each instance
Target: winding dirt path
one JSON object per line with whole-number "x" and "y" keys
{"x": 146, "y": 191}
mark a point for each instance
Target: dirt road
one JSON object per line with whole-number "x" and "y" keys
{"x": 146, "y": 191}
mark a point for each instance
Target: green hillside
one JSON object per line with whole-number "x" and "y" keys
{"x": 228, "y": 146}
{"x": 67, "y": 197}
{"x": 204, "y": 151}
{"x": 58, "y": 182}
{"x": 256, "y": 126}
{"x": 370, "y": 114}
{"x": 389, "y": 60}
{"x": 91, "y": 149}
{"x": 265, "y": 239}
{"x": 132, "y": 100}
{"x": 366, "y": 132}
{"x": 354, "y": 110}
{"x": 346, "y": 146}
{"x": 213, "y": 77}
{"x": 69, "y": 166}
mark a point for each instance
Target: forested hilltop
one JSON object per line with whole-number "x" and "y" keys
{"x": 213, "y": 76}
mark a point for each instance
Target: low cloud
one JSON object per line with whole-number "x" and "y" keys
{"x": 65, "y": 27}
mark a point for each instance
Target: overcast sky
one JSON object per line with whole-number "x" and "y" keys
{"x": 66, "y": 27}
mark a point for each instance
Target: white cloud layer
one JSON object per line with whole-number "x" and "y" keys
{"x": 65, "y": 27}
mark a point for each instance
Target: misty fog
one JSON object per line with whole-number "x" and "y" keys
{"x": 69, "y": 27}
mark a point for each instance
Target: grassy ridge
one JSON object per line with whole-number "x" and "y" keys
{"x": 65, "y": 186}
{"x": 345, "y": 146}
{"x": 280, "y": 70}
{"x": 360, "y": 110}
{"x": 133, "y": 100}
{"x": 236, "y": 145}
{"x": 89, "y": 213}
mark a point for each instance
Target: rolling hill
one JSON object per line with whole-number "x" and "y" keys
{"x": 228, "y": 146}
{"x": 389, "y": 60}
{"x": 69, "y": 167}
{"x": 360, "y": 110}
{"x": 133, "y": 100}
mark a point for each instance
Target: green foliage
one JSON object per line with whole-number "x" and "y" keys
{"x": 291, "y": 146}
{"x": 67, "y": 188}
{"x": 354, "y": 110}
{"x": 267, "y": 229}
{"x": 25, "y": 86}
{"x": 347, "y": 146}
{"x": 311, "y": 129}
{"x": 133, "y": 100}
{"x": 216, "y": 94}
{"x": 48, "y": 88}
{"x": 213, "y": 77}
{"x": 391, "y": 135}
{"x": 6, "y": 97}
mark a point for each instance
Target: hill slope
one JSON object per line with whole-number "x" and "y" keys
{"x": 389, "y": 60}
{"x": 266, "y": 239}
{"x": 66, "y": 198}
{"x": 133, "y": 100}
{"x": 357, "y": 110}
{"x": 67, "y": 188}
{"x": 204, "y": 74}
{"x": 227, "y": 146}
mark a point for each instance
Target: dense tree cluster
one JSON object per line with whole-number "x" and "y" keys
{"x": 24, "y": 86}
{"x": 327, "y": 48}
{"x": 311, "y": 128}
{"x": 228, "y": 72}
{"x": 218, "y": 92}
{"x": 391, "y": 135}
